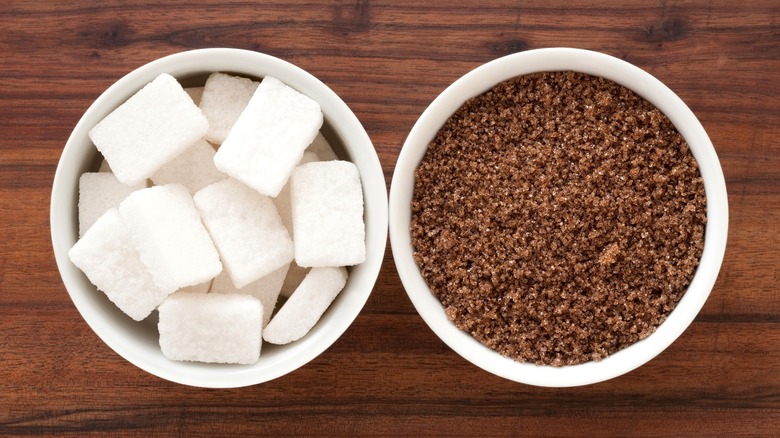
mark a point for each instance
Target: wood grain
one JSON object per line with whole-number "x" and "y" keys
{"x": 389, "y": 374}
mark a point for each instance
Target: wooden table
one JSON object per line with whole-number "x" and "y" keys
{"x": 389, "y": 374}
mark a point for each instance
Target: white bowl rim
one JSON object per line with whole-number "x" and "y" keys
{"x": 480, "y": 80}
{"x": 362, "y": 279}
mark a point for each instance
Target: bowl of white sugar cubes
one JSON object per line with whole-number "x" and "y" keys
{"x": 219, "y": 217}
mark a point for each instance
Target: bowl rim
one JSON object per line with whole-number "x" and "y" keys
{"x": 342, "y": 312}
{"x": 480, "y": 80}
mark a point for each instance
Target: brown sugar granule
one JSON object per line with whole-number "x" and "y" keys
{"x": 558, "y": 217}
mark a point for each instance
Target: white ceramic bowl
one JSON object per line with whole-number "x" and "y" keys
{"x": 482, "y": 79}
{"x": 138, "y": 342}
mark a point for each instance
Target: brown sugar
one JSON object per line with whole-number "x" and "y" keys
{"x": 558, "y": 217}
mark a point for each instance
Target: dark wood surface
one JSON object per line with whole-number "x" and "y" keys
{"x": 389, "y": 374}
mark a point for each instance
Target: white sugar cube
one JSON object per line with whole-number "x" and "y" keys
{"x": 246, "y": 230}
{"x": 194, "y": 168}
{"x": 282, "y": 200}
{"x": 224, "y": 98}
{"x": 327, "y": 213}
{"x": 306, "y": 305}
{"x": 321, "y": 147}
{"x": 99, "y": 191}
{"x": 109, "y": 259}
{"x": 295, "y": 275}
{"x": 196, "y": 93}
{"x": 211, "y": 328}
{"x": 149, "y": 129}
{"x": 265, "y": 289}
{"x": 171, "y": 240}
{"x": 269, "y": 137}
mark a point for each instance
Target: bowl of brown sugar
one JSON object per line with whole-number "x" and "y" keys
{"x": 558, "y": 217}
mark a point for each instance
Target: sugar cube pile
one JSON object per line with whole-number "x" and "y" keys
{"x": 205, "y": 208}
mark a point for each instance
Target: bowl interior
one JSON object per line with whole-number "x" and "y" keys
{"x": 138, "y": 342}
{"x": 482, "y": 79}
